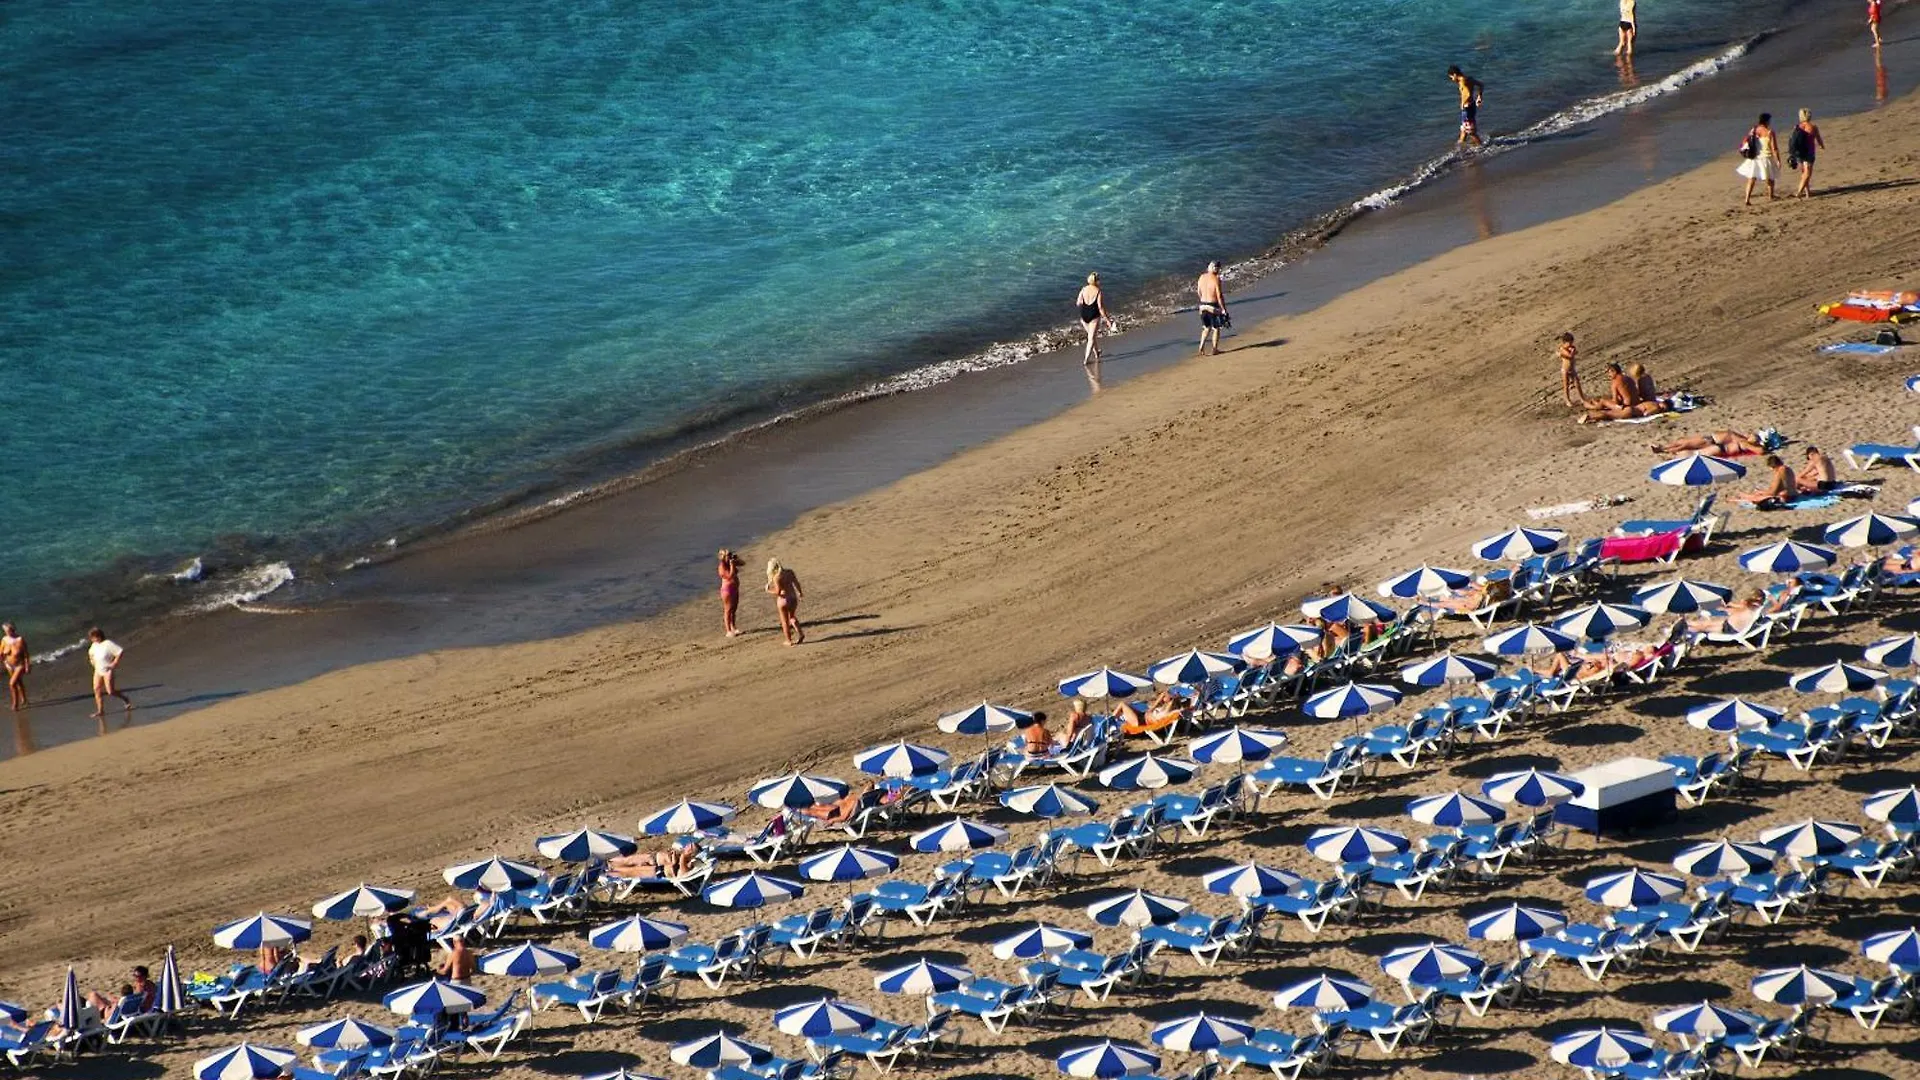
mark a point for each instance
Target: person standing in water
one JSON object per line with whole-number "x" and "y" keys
{"x": 1470, "y": 89}
{"x": 1093, "y": 309}
{"x": 784, "y": 586}
{"x": 104, "y": 655}
{"x": 1629, "y": 29}
{"x": 1802, "y": 145}
{"x": 729, "y": 590}
{"x": 1873, "y": 20}
{"x": 1213, "y": 308}
{"x": 19, "y": 662}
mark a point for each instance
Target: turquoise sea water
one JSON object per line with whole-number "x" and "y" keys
{"x": 287, "y": 278}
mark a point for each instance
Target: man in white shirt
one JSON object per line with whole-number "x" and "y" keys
{"x": 105, "y": 657}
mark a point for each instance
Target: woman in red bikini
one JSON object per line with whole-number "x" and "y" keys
{"x": 784, "y": 586}
{"x": 729, "y": 589}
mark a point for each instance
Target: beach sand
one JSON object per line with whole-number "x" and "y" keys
{"x": 1392, "y": 426}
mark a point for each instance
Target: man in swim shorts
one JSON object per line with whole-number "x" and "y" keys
{"x": 1213, "y": 308}
{"x": 1629, "y": 29}
{"x": 1469, "y": 105}
{"x": 104, "y": 655}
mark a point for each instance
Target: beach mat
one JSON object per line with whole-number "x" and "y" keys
{"x": 1863, "y": 348}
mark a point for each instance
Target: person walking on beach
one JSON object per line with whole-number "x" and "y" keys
{"x": 1093, "y": 309}
{"x": 1213, "y": 308}
{"x": 729, "y": 590}
{"x": 1470, "y": 92}
{"x": 105, "y": 657}
{"x": 1570, "y": 388}
{"x": 1873, "y": 20}
{"x": 1762, "y": 152}
{"x": 1802, "y": 143}
{"x": 1629, "y": 29}
{"x": 19, "y": 662}
{"x": 784, "y": 586}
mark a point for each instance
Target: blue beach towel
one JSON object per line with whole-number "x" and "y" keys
{"x": 1862, "y": 347}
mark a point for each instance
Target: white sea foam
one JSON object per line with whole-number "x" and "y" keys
{"x": 245, "y": 587}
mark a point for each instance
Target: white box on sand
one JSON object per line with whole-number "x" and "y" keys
{"x": 1620, "y": 796}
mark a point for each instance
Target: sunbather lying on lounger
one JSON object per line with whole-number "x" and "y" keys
{"x": 1476, "y": 596}
{"x": 1782, "y": 486}
{"x": 841, "y": 810}
{"x": 442, "y": 914}
{"x": 1332, "y": 637}
{"x": 1164, "y": 709}
{"x": 1721, "y": 443}
{"x": 675, "y": 861}
{"x": 1735, "y": 618}
{"x": 1078, "y": 720}
{"x": 1817, "y": 474}
{"x": 1623, "y": 401}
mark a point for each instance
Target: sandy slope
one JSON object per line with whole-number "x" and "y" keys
{"x": 1396, "y": 424}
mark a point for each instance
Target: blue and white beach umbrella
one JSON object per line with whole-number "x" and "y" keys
{"x": 1148, "y": 772}
{"x": 1106, "y": 1059}
{"x": 1786, "y": 557}
{"x": 1601, "y": 1048}
{"x": 1900, "y": 806}
{"x": 1354, "y": 843}
{"x": 1528, "y": 639}
{"x": 687, "y": 816}
{"x": 1325, "y": 992}
{"x": 1902, "y": 650}
{"x": 1264, "y": 643}
{"x": 1353, "y": 699}
{"x": 1680, "y": 596}
{"x": 900, "y": 760}
{"x": 1633, "y": 888}
{"x": 717, "y": 1051}
{"x": 1048, "y": 801}
{"x": 637, "y": 934}
{"x": 1838, "y": 677}
{"x": 823, "y": 1018}
{"x": 70, "y": 1000}
{"x": 1040, "y": 939}
{"x": 1870, "y": 530}
{"x": 1105, "y": 683}
{"x": 1696, "y": 470}
{"x": 13, "y": 1011}
{"x": 1430, "y": 963}
{"x": 1801, "y": 985}
{"x": 435, "y": 997}
{"x": 1200, "y": 1033}
{"x": 1531, "y": 788}
{"x": 1515, "y": 922}
{"x": 795, "y": 791}
{"x": 1454, "y": 810}
{"x": 1598, "y": 620}
{"x": 1237, "y": 744}
{"x": 1706, "y": 1020}
{"x": 1251, "y": 879}
{"x": 1725, "y": 858}
{"x": 923, "y": 976}
{"x": 346, "y": 1033}
{"x": 1346, "y": 607}
{"x": 1137, "y": 909}
{"x": 255, "y": 931}
{"x": 1519, "y": 543}
{"x": 623, "y": 1074}
{"x": 1809, "y": 838}
{"x": 751, "y": 890}
{"x": 960, "y": 834}
{"x": 494, "y": 875}
{"x": 1912, "y": 384}
{"x": 1733, "y": 714}
{"x": 1896, "y": 948}
{"x": 848, "y": 863}
{"x": 363, "y": 902}
{"x": 585, "y": 845}
{"x": 1424, "y": 580}
{"x": 245, "y": 1062}
{"x": 1195, "y": 666}
{"x": 169, "y": 997}
{"x": 528, "y": 960}
{"x": 1447, "y": 668}
{"x": 983, "y": 719}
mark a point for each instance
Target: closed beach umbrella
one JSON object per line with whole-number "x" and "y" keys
{"x": 1680, "y": 596}
{"x": 1896, "y": 948}
{"x": 528, "y": 960}
{"x": 1869, "y": 530}
{"x": 848, "y": 863}
{"x": 900, "y": 760}
{"x": 1353, "y": 699}
{"x": 1424, "y": 580}
{"x": 1105, "y": 683}
{"x": 1528, "y": 639}
{"x": 585, "y": 845}
{"x": 1899, "y": 651}
{"x": 1633, "y": 888}
{"x": 1706, "y": 1020}
{"x": 637, "y": 934}
{"x": 687, "y": 816}
{"x": 1354, "y": 843}
{"x": 820, "y": 1019}
{"x": 1325, "y": 992}
{"x": 1724, "y": 858}
{"x": 1596, "y": 621}
{"x": 1696, "y": 470}
{"x": 363, "y": 902}
{"x": 1838, "y": 677}
{"x": 717, "y": 1051}
{"x": 1515, "y": 922}
{"x": 1454, "y": 810}
{"x": 1601, "y": 1048}
{"x": 1895, "y": 805}
{"x": 170, "y": 997}
{"x": 1519, "y": 543}
{"x": 1733, "y": 714}
{"x": 1194, "y": 667}
{"x": 795, "y": 791}
{"x": 1531, "y": 788}
{"x": 1137, "y": 909}
{"x": 494, "y": 875}
{"x": 1252, "y": 879}
{"x": 1801, "y": 985}
{"x": 70, "y": 1000}
{"x": 1806, "y": 839}
{"x": 245, "y": 1062}
{"x": 1447, "y": 668}
{"x": 1346, "y": 607}
{"x": 344, "y": 1034}
{"x": 1237, "y": 744}
{"x": 1786, "y": 557}
{"x": 1107, "y": 1059}
{"x": 960, "y": 834}
{"x": 255, "y": 931}
{"x": 1200, "y": 1033}
{"x": 983, "y": 719}
{"x": 751, "y": 890}
{"x": 435, "y": 997}
{"x": 1425, "y": 965}
{"x": 923, "y": 976}
{"x": 1148, "y": 772}
{"x": 1040, "y": 939}
{"x": 1048, "y": 801}
{"x": 1271, "y": 641}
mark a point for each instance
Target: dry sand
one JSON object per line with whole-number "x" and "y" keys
{"x": 1394, "y": 425}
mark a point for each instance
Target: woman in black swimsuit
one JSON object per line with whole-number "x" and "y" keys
{"x": 1801, "y": 147}
{"x": 1093, "y": 309}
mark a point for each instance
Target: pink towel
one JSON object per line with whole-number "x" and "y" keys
{"x": 1634, "y": 549}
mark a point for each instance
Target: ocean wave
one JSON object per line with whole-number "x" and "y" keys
{"x": 244, "y": 587}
